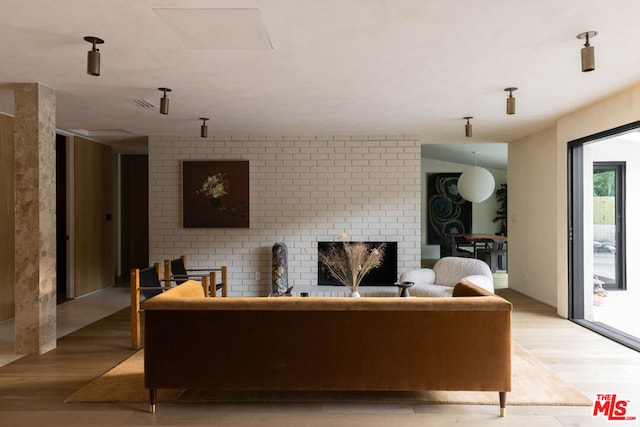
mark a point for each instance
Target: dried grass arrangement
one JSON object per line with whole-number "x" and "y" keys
{"x": 349, "y": 262}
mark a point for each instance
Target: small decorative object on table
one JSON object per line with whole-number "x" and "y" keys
{"x": 350, "y": 262}
{"x": 405, "y": 288}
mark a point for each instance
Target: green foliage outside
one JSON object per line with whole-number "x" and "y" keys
{"x": 604, "y": 183}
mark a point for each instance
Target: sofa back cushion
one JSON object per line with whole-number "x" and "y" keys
{"x": 188, "y": 291}
{"x": 312, "y": 343}
{"x": 450, "y": 270}
{"x": 421, "y": 276}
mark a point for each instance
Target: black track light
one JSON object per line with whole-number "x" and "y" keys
{"x": 587, "y": 53}
{"x": 93, "y": 56}
{"x": 164, "y": 101}
{"x": 203, "y": 127}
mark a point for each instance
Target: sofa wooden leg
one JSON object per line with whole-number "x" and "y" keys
{"x": 503, "y": 403}
{"x": 152, "y": 400}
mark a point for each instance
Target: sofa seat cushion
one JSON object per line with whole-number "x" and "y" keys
{"x": 430, "y": 290}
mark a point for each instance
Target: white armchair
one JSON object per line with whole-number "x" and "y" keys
{"x": 448, "y": 271}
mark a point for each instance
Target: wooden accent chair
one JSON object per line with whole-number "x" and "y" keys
{"x": 147, "y": 282}
{"x": 177, "y": 271}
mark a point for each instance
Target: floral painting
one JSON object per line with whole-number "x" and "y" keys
{"x": 215, "y": 194}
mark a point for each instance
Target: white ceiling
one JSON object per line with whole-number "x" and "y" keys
{"x": 319, "y": 67}
{"x": 488, "y": 155}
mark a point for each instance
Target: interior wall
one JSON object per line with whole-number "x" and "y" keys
{"x": 94, "y": 215}
{"x": 7, "y": 233}
{"x": 532, "y": 217}
{"x": 302, "y": 190}
{"x": 483, "y": 213}
{"x": 537, "y": 173}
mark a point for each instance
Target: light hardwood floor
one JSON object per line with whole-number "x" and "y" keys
{"x": 33, "y": 388}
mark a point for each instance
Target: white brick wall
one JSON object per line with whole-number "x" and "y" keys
{"x": 302, "y": 190}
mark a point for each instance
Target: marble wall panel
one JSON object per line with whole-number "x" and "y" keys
{"x": 35, "y": 201}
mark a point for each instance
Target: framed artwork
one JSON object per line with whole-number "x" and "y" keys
{"x": 447, "y": 211}
{"x": 215, "y": 194}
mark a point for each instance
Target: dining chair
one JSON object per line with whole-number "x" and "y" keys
{"x": 495, "y": 255}
{"x": 451, "y": 245}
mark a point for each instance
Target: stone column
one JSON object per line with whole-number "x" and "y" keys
{"x": 35, "y": 218}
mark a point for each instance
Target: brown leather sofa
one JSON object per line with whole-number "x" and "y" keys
{"x": 364, "y": 344}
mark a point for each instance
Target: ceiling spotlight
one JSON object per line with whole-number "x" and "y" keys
{"x": 588, "y": 56}
{"x": 203, "y": 128}
{"x": 468, "y": 131}
{"x": 164, "y": 101}
{"x": 93, "y": 57}
{"x": 511, "y": 101}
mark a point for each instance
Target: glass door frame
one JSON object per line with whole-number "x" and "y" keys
{"x": 620, "y": 229}
{"x": 575, "y": 235}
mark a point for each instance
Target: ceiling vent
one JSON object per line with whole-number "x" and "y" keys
{"x": 103, "y": 134}
{"x": 143, "y": 103}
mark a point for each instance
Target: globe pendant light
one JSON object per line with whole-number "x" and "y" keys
{"x": 476, "y": 184}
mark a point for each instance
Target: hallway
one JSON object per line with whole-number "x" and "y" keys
{"x": 71, "y": 316}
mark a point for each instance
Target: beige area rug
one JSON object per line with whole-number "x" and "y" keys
{"x": 532, "y": 384}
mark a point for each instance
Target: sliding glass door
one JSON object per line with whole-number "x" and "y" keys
{"x": 604, "y": 288}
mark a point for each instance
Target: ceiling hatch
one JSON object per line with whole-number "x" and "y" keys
{"x": 217, "y": 28}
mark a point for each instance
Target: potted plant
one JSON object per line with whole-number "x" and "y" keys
{"x": 501, "y": 213}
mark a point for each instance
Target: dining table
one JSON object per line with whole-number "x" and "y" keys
{"x": 479, "y": 240}
{"x": 496, "y": 238}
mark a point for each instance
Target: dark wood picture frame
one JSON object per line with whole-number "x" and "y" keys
{"x": 215, "y": 194}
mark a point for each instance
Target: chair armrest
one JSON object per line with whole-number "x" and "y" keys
{"x": 480, "y": 280}
{"x": 419, "y": 276}
{"x": 205, "y": 269}
{"x": 183, "y": 276}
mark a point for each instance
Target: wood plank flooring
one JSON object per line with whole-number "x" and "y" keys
{"x": 33, "y": 388}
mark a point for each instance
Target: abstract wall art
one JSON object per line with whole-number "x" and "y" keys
{"x": 447, "y": 211}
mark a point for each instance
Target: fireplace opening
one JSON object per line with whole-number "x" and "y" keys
{"x": 384, "y": 275}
